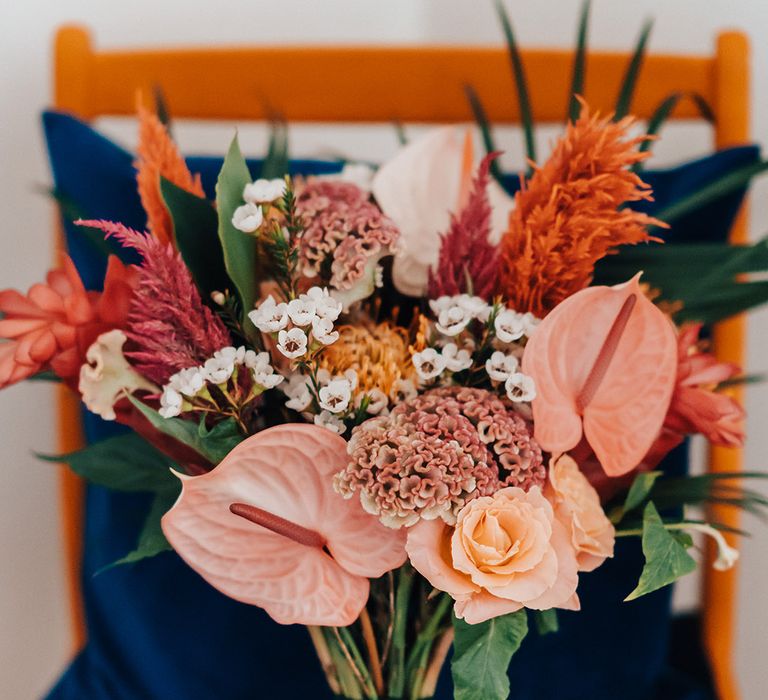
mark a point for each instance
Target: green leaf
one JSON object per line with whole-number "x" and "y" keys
{"x": 627, "y": 92}
{"x": 546, "y": 621}
{"x": 521, "y": 82}
{"x": 708, "y": 279}
{"x": 239, "y": 248}
{"x": 45, "y": 376}
{"x": 640, "y": 489}
{"x": 666, "y": 559}
{"x": 123, "y": 463}
{"x": 481, "y": 656}
{"x": 161, "y": 108}
{"x": 151, "y": 538}
{"x": 276, "y": 161}
{"x": 402, "y": 137}
{"x": 579, "y": 65}
{"x": 481, "y": 119}
{"x": 213, "y": 445}
{"x": 196, "y": 229}
{"x": 663, "y": 112}
{"x": 734, "y": 180}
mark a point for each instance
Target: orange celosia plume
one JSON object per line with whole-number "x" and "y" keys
{"x": 569, "y": 215}
{"x": 158, "y": 155}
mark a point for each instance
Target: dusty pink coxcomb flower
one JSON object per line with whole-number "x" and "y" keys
{"x": 345, "y": 237}
{"x": 169, "y": 327}
{"x": 435, "y": 453}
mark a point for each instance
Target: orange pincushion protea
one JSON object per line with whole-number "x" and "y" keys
{"x": 378, "y": 353}
{"x": 569, "y": 215}
{"x": 158, "y": 155}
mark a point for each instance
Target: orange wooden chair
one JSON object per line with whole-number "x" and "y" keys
{"x": 408, "y": 84}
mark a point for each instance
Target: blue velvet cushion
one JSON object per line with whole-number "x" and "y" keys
{"x": 157, "y": 631}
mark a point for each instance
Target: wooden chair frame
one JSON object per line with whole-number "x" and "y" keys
{"x": 409, "y": 84}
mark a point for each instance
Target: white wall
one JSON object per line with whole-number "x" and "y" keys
{"x": 33, "y": 617}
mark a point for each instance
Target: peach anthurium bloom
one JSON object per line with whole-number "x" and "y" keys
{"x": 418, "y": 188}
{"x": 266, "y": 527}
{"x": 506, "y": 552}
{"x": 577, "y": 506}
{"x": 604, "y": 363}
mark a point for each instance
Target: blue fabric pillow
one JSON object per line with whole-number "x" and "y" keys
{"x": 157, "y": 631}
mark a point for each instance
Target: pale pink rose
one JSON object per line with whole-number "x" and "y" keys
{"x": 508, "y": 551}
{"x": 577, "y": 506}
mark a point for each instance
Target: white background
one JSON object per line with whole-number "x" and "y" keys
{"x": 34, "y": 634}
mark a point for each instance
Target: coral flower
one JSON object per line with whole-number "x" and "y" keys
{"x": 570, "y": 214}
{"x": 56, "y": 322}
{"x": 265, "y": 527}
{"x": 604, "y": 364}
{"x": 508, "y": 551}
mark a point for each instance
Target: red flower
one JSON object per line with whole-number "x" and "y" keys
{"x": 56, "y": 322}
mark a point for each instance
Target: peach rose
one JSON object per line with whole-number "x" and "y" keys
{"x": 577, "y": 506}
{"x": 506, "y": 552}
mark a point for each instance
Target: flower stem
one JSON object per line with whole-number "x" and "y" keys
{"x": 396, "y": 684}
{"x": 418, "y": 659}
{"x": 355, "y": 661}
{"x": 373, "y": 652}
{"x": 349, "y": 685}
{"x": 326, "y": 660}
{"x": 439, "y": 656}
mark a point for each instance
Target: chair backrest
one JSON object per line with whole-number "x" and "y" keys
{"x": 409, "y": 84}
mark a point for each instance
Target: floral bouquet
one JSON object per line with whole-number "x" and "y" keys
{"x": 410, "y": 432}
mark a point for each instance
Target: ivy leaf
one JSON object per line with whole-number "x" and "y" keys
{"x": 196, "y": 230}
{"x": 546, "y": 621}
{"x": 481, "y": 656}
{"x": 213, "y": 444}
{"x": 123, "y": 463}
{"x": 639, "y": 490}
{"x": 151, "y": 538}
{"x": 239, "y": 248}
{"x": 666, "y": 558}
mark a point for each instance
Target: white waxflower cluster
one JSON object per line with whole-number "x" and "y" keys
{"x": 330, "y": 399}
{"x": 454, "y": 313}
{"x": 505, "y": 331}
{"x": 250, "y": 216}
{"x": 188, "y": 384}
{"x": 300, "y": 322}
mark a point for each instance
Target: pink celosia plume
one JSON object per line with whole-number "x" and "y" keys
{"x": 467, "y": 255}
{"x": 169, "y": 326}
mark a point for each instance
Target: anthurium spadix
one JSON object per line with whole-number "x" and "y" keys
{"x": 266, "y": 527}
{"x": 419, "y": 188}
{"x": 604, "y": 363}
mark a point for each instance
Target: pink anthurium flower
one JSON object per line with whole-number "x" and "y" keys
{"x": 604, "y": 362}
{"x": 418, "y": 189}
{"x": 266, "y": 527}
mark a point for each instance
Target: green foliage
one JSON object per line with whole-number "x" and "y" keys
{"x": 481, "y": 119}
{"x": 213, "y": 444}
{"x": 151, "y": 540}
{"x": 239, "y": 248}
{"x": 715, "y": 488}
{"x": 195, "y": 228}
{"x": 579, "y": 65}
{"x": 639, "y": 491}
{"x": 666, "y": 558}
{"x": 123, "y": 463}
{"x": 521, "y": 82}
{"x": 161, "y": 108}
{"x": 706, "y": 278}
{"x": 546, "y": 621}
{"x": 663, "y": 112}
{"x": 284, "y": 251}
{"x": 628, "y": 85}
{"x": 481, "y": 656}
{"x": 276, "y": 161}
